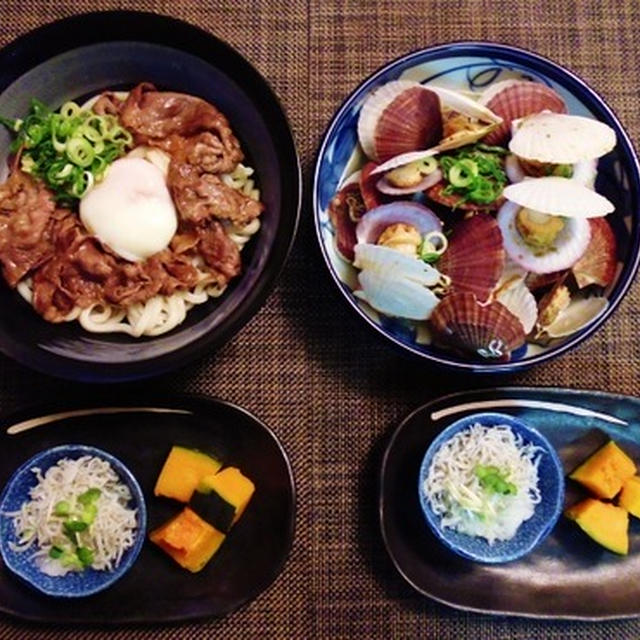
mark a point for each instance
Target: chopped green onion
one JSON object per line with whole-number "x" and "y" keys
{"x": 56, "y": 552}
{"x": 69, "y": 149}
{"x": 62, "y": 508}
{"x": 475, "y": 173}
{"x": 85, "y": 555}
{"x": 89, "y": 496}
{"x": 75, "y": 526}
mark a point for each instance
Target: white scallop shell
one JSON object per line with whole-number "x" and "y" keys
{"x": 405, "y": 158}
{"x": 521, "y": 302}
{"x": 372, "y": 109}
{"x": 580, "y": 313}
{"x": 373, "y": 257}
{"x": 561, "y": 139}
{"x": 571, "y": 242}
{"x": 395, "y": 284}
{"x": 558, "y": 196}
{"x": 465, "y": 105}
{"x": 397, "y": 298}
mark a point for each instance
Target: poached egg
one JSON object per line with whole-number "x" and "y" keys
{"x": 131, "y": 211}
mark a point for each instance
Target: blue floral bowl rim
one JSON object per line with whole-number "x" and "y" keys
{"x": 137, "y": 497}
{"x": 582, "y": 91}
{"x": 523, "y": 427}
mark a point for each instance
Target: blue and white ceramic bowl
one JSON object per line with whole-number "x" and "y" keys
{"x": 532, "y": 531}
{"x": 472, "y": 66}
{"x": 75, "y": 584}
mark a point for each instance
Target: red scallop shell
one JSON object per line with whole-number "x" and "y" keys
{"x": 518, "y": 100}
{"x": 370, "y": 195}
{"x": 474, "y": 259}
{"x": 537, "y": 281}
{"x": 344, "y": 210}
{"x": 453, "y": 200}
{"x": 485, "y": 331}
{"x": 598, "y": 263}
{"x": 411, "y": 122}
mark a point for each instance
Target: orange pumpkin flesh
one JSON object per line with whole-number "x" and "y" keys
{"x": 605, "y": 471}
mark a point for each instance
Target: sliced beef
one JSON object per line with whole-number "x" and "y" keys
{"x": 26, "y": 210}
{"x": 161, "y": 118}
{"x": 200, "y": 197}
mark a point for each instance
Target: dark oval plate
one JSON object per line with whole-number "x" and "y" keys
{"x": 156, "y": 589}
{"x": 568, "y": 575}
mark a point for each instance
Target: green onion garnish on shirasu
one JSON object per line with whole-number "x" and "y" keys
{"x": 69, "y": 149}
{"x": 474, "y": 173}
{"x": 76, "y": 520}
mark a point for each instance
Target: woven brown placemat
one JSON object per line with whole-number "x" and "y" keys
{"x": 332, "y": 392}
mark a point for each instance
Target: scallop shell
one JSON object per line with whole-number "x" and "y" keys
{"x": 395, "y": 284}
{"x": 558, "y": 196}
{"x": 488, "y": 331}
{"x": 520, "y": 301}
{"x": 374, "y": 222}
{"x": 579, "y": 314}
{"x": 516, "y": 99}
{"x": 475, "y": 257}
{"x": 480, "y": 121}
{"x": 371, "y": 196}
{"x": 398, "y": 117}
{"x": 538, "y": 281}
{"x": 343, "y": 209}
{"x": 571, "y": 242}
{"x": 584, "y": 172}
{"x": 561, "y": 139}
{"x": 428, "y": 181}
{"x": 598, "y": 263}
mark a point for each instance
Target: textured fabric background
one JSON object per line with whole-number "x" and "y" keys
{"x": 332, "y": 392}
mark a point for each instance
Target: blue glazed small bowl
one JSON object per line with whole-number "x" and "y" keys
{"x": 78, "y": 583}
{"x": 472, "y": 66}
{"x": 532, "y": 531}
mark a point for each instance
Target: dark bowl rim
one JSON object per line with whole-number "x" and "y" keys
{"x": 494, "y": 417}
{"x": 38, "y": 45}
{"x": 137, "y": 497}
{"x": 572, "y": 82}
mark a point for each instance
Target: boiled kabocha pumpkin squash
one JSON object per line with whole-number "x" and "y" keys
{"x": 188, "y": 539}
{"x": 605, "y": 471}
{"x": 183, "y": 471}
{"x": 607, "y": 524}
{"x": 222, "y": 497}
{"x": 629, "y": 498}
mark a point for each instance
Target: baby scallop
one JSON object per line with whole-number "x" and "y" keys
{"x": 561, "y": 139}
{"x": 545, "y": 224}
{"x": 398, "y": 117}
{"x": 396, "y": 284}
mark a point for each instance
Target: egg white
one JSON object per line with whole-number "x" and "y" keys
{"x": 131, "y": 210}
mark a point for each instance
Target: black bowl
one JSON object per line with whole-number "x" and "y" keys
{"x": 118, "y": 50}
